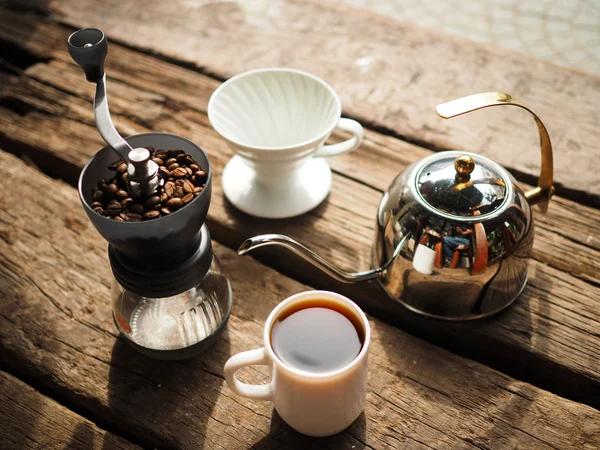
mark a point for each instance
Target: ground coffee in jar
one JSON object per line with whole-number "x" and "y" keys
{"x": 183, "y": 180}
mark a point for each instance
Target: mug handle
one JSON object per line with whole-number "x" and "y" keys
{"x": 344, "y": 124}
{"x": 244, "y": 359}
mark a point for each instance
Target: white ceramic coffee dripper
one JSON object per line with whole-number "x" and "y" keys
{"x": 277, "y": 120}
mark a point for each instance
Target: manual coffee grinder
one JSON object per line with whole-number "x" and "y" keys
{"x": 170, "y": 298}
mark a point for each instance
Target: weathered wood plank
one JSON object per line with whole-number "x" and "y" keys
{"x": 583, "y": 232}
{"x": 392, "y": 77}
{"x": 55, "y": 326}
{"x": 30, "y": 420}
{"x": 550, "y": 337}
{"x": 376, "y": 164}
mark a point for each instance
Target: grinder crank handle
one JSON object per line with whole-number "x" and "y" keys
{"x": 88, "y": 48}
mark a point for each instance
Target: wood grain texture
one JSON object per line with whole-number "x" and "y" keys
{"x": 55, "y": 326}
{"x": 550, "y": 337}
{"x": 30, "y": 420}
{"x": 378, "y": 161}
{"x": 389, "y": 74}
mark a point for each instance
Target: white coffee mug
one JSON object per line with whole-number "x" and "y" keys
{"x": 277, "y": 121}
{"x": 316, "y": 404}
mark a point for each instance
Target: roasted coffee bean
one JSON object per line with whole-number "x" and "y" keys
{"x": 169, "y": 186}
{"x": 175, "y": 202}
{"x": 113, "y": 165}
{"x": 132, "y": 217}
{"x": 136, "y": 208}
{"x": 184, "y": 179}
{"x": 199, "y": 178}
{"x": 172, "y": 153}
{"x": 179, "y": 172}
{"x": 164, "y": 172}
{"x": 150, "y": 149}
{"x": 188, "y": 186}
{"x": 114, "y": 208}
{"x": 121, "y": 194}
{"x": 97, "y": 196}
{"x": 111, "y": 190}
{"x": 187, "y": 198}
{"x": 123, "y": 183}
{"x": 178, "y": 191}
{"x": 152, "y": 202}
{"x": 151, "y": 214}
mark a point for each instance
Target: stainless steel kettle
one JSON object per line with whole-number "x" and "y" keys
{"x": 454, "y": 230}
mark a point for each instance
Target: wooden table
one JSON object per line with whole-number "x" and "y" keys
{"x": 529, "y": 378}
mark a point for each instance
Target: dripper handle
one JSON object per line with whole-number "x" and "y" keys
{"x": 88, "y": 48}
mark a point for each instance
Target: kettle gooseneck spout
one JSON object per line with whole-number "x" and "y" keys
{"x": 308, "y": 255}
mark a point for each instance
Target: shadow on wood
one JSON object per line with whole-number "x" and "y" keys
{"x": 157, "y": 397}
{"x": 281, "y": 435}
{"x": 83, "y": 437}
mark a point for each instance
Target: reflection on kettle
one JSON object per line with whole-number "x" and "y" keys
{"x": 424, "y": 259}
{"x": 454, "y": 230}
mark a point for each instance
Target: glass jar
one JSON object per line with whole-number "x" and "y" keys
{"x": 178, "y": 326}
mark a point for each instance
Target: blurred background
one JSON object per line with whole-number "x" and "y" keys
{"x": 565, "y": 32}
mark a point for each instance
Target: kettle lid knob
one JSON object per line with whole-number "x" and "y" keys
{"x": 464, "y": 165}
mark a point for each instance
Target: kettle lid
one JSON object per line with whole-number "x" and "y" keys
{"x": 462, "y": 184}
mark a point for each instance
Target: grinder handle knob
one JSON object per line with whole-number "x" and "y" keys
{"x": 88, "y": 48}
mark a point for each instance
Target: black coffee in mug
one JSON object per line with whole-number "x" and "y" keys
{"x": 317, "y": 336}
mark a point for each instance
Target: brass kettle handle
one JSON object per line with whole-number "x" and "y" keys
{"x": 539, "y": 195}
